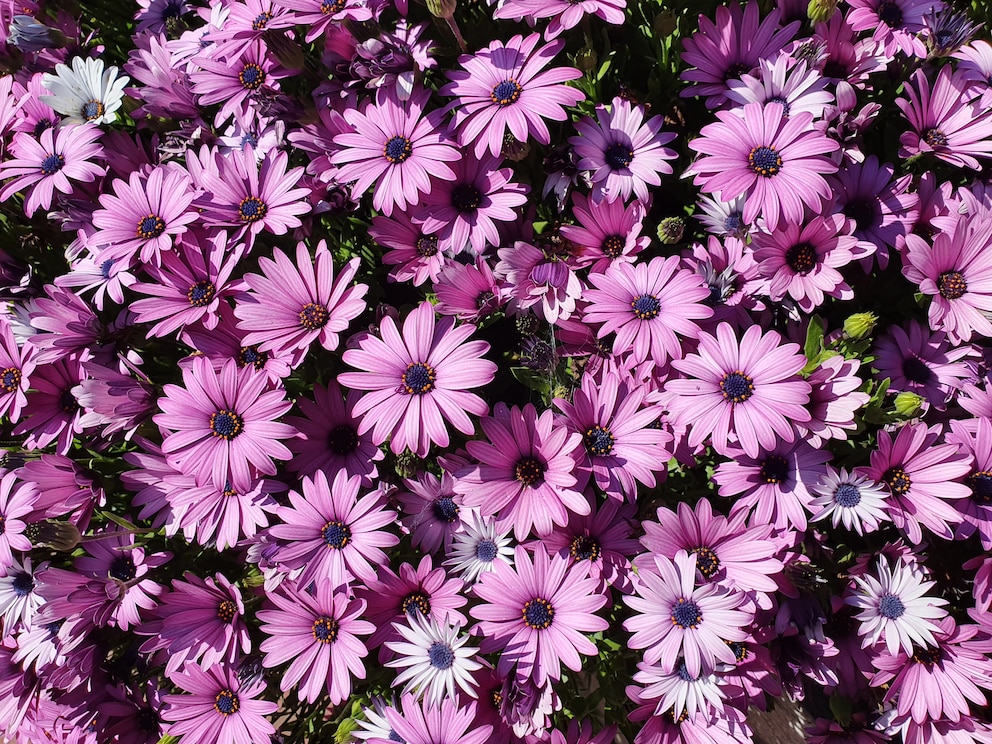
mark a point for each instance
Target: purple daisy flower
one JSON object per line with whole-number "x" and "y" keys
{"x": 532, "y": 279}
{"x": 563, "y": 17}
{"x": 52, "y": 412}
{"x": 421, "y": 723}
{"x": 526, "y": 471}
{"x": 414, "y": 255}
{"x": 833, "y": 400}
{"x": 223, "y": 424}
{"x": 46, "y": 164}
{"x": 776, "y": 162}
{"x": 397, "y": 147}
{"x": 418, "y": 381}
{"x": 291, "y": 305}
{"x": 536, "y": 614}
{"x": 607, "y": 232}
{"x": 785, "y": 81}
{"x": 896, "y": 24}
{"x": 16, "y": 366}
{"x": 749, "y": 389}
{"x": 623, "y": 153}
{"x": 648, "y": 306}
{"x": 318, "y": 16}
{"x": 144, "y": 215}
{"x": 732, "y": 276}
{"x": 676, "y": 618}
{"x": 219, "y": 707}
{"x": 977, "y": 510}
{"x": 622, "y": 445}
{"x": 921, "y": 476}
{"x": 468, "y": 292}
{"x": 221, "y": 517}
{"x": 332, "y": 533}
{"x": 236, "y": 82}
{"x": 431, "y": 510}
{"x": 921, "y": 362}
{"x": 319, "y": 633}
{"x": 503, "y": 88}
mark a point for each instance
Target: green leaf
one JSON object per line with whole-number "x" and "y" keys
{"x": 814, "y": 338}
{"x": 120, "y": 521}
{"x": 532, "y": 379}
{"x": 840, "y": 706}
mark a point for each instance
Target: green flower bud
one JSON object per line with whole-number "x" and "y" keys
{"x": 587, "y": 59}
{"x": 821, "y": 11}
{"x": 908, "y": 405}
{"x": 670, "y": 230}
{"x": 860, "y": 325}
{"x": 407, "y": 464}
{"x": 442, "y": 8}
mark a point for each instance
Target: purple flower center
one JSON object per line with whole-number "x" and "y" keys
{"x": 10, "y": 379}
{"x": 951, "y": 285}
{"x": 733, "y": 222}
{"x": 765, "y": 161}
{"x": 313, "y": 317}
{"x": 441, "y": 656}
{"x": 325, "y": 629}
{"x": 981, "y": 486}
{"x": 686, "y": 614}
{"x": 227, "y": 702}
{"x": 105, "y": 268}
{"x": 393, "y": 736}
{"x": 426, "y": 246}
{"x": 916, "y": 370}
{"x": 150, "y": 226}
{"x": 68, "y": 402}
{"x": 529, "y": 471}
{"x": 227, "y": 611}
{"x": 419, "y": 378}
{"x": 23, "y": 584}
{"x": 148, "y": 721}
{"x": 619, "y": 155}
{"x": 201, "y": 294}
{"x": 261, "y": 20}
{"x": 683, "y": 672}
{"x": 52, "y": 164}
{"x": 890, "y": 606}
{"x": 736, "y": 70}
{"x": 897, "y": 480}
{"x": 862, "y": 211}
{"x": 585, "y": 548}
{"x": 538, "y": 614}
{"x": 890, "y": 13}
{"x": 252, "y": 209}
{"x": 774, "y": 469}
{"x": 465, "y": 197}
{"x": 739, "y": 649}
{"x": 801, "y": 258}
{"x": 397, "y": 149}
{"x": 506, "y": 92}
{"x": 484, "y": 299}
{"x": 934, "y": 137}
{"x": 485, "y": 550}
{"x": 123, "y": 568}
{"x": 847, "y": 495}
{"x": 92, "y": 109}
{"x": 252, "y": 76}
{"x": 41, "y": 125}
{"x": 782, "y": 102}
{"x": 927, "y": 656}
{"x": 599, "y": 441}
{"x": 250, "y": 355}
{"x": 416, "y": 602}
{"x": 645, "y": 307}
{"x": 343, "y": 440}
{"x": 707, "y": 561}
{"x": 333, "y": 7}
{"x": 613, "y": 246}
{"x": 335, "y": 534}
{"x": 445, "y": 509}
{"x": 226, "y": 424}
{"x": 736, "y": 387}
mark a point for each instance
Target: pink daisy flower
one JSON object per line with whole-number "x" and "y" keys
{"x": 833, "y": 400}
{"x": 776, "y": 162}
{"x": 749, "y": 389}
{"x": 421, "y": 723}
{"x": 219, "y": 708}
{"x": 536, "y": 614}
{"x": 16, "y": 366}
{"x": 415, "y": 256}
{"x": 607, "y": 232}
{"x": 921, "y": 362}
{"x": 896, "y": 24}
{"x": 526, "y": 471}
{"x": 222, "y": 517}
{"x": 16, "y": 502}
{"x": 223, "y": 424}
{"x": 418, "y": 381}
{"x": 236, "y": 82}
{"x": 291, "y": 305}
{"x": 563, "y": 17}
{"x": 504, "y": 88}
{"x": 468, "y": 292}
{"x": 319, "y": 634}
{"x": 52, "y": 412}
{"x": 649, "y": 306}
{"x": 320, "y": 15}
{"x": 532, "y": 279}
{"x": 396, "y": 147}
{"x": 623, "y": 153}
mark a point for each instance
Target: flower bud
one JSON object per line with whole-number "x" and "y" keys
{"x": 407, "y": 464}
{"x": 586, "y": 59}
{"x": 670, "y": 230}
{"x": 821, "y": 11}
{"x": 860, "y": 325}
{"x": 908, "y": 404}
{"x": 442, "y": 8}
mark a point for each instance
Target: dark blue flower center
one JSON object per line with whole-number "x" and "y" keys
{"x": 335, "y": 534}
{"x": 251, "y": 356}
{"x": 68, "y": 402}
{"x": 774, "y": 469}
{"x": 313, "y": 317}
{"x": 227, "y": 702}
{"x": 890, "y": 606}
{"x": 529, "y": 471}
{"x": 485, "y": 550}
{"x": 897, "y": 479}
{"x": 261, "y": 20}
{"x": 10, "y": 379}
{"x": 538, "y": 614}
{"x": 645, "y": 307}
{"x": 928, "y": 656}
{"x": 123, "y": 568}
{"x": 92, "y": 109}
{"x": 52, "y": 164}
{"x": 782, "y": 102}
{"x": 465, "y": 197}
{"x": 736, "y": 70}
{"x": 329, "y": 7}
{"x": 445, "y": 509}
{"x": 686, "y": 614}
{"x": 683, "y": 672}
{"x": 506, "y": 92}
{"x": 584, "y": 548}
{"x": 707, "y": 561}
{"x": 416, "y": 602}
{"x": 618, "y": 155}
{"x": 41, "y": 125}
{"x": 862, "y": 211}
{"x": 934, "y": 137}
{"x": 847, "y": 495}
{"x": 397, "y": 149}
{"x": 890, "y": 13}
{"x": 951, "y": 285}
{"x": 226, "y": 424}
{"x": 105, "y": 268}
{"x": 325, "y": 629}
{"x": 613, "y": 246}
{"x": 736, "y": 387}
{"x": 426, "y": 246}
{"x": 916, "y": 370}
{"x": 419, "y": 378}
{"x": 23, "y": 584}
{"x": 150, "y": 226}
{"x": 201, "y": 294}
{"x": 227, "y": 611}
{"x": 441, "y": 656}
{"x": 733, "y": 222}
{"x": 252, "y": 76}
{"x": 801, "y": 258}
{"x": 981, "y": 486}
{"x": 252, "y": 209}
{"x": 343, "y": 440}
{"x": 393, "y": 736}
{"x": 765, "y": 161}
{"x": 599, "y": 441}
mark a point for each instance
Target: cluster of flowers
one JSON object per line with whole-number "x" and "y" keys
{"x": 336, "y": 336}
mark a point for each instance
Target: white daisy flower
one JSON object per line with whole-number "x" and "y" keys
{"x": 850, "y": 499}
{"x": 18, "y": 599}
{"x": 85, "y": 93}
{"x": 476, "y": 549}
{"x": 678, "y": 691}
{"x": 434, "y": 658}
{"x": 375, "y": 725}
{"x": 896, "y": 609}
